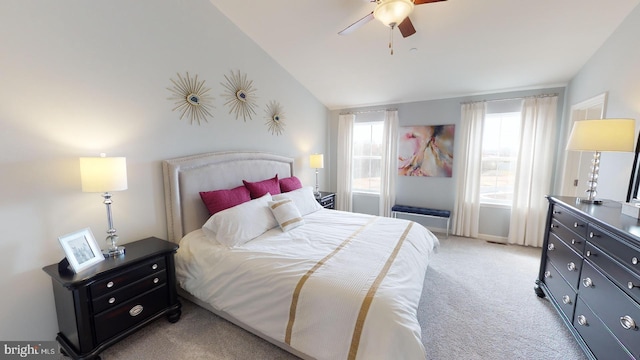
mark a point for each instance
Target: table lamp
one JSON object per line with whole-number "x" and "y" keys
{"x": 316, "y": 161}
{"x": 104, "y": 174}
{"x": 597, "y": 136}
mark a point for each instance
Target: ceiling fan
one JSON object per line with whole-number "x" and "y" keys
{"x": 392, "y": 13}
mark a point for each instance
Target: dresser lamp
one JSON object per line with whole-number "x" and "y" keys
{"x": 316, "y": 161}
{"x": 597, "y": 136}
{"x": 105, "y": 174}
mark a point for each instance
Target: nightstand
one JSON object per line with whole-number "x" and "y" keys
{"x": 101, "y": 305}
{"x": 327, "y": 199}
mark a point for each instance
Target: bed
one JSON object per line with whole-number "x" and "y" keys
{"x": 336, "y": 286}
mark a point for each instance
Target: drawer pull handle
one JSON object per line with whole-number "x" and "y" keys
{"x": 154, "y": 266}
{"x": 627, "y": 322}
{"x": 553, "y": 226}
{"x": 566, "y": 300}
{"x": 582, "y": 320}
{"x": 112, "y": 300}
{"x": 575, "y": 224}
{"x": 136, "y": 310}
{"x": 631, "y": 285}
{"x": 571, "y": 266}
{"x": 588, "y": 253}
{"x": 557, "y": 212}
{"x": 110, "y": 284}
{"x": 547, "y": 274}
{"x": 574, "y": 241}
{"x": 550, "y": 247}
{"x": 634, "y": 260}
{"x": 591, "y": 234}
{"x": 587, "y": 282}
{"x": 155, "y": 280}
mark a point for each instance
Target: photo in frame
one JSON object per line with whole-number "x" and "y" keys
{"x": 425, "y": 150}
{"x": 81, "y": 249}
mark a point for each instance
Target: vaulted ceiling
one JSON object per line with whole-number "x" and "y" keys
{"x": 462, "y": 47}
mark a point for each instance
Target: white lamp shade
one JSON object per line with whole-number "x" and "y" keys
{"x": 316, "y": 161}
{"x": 103, "y": 174}
{"x": 602, "y": 135}
{"x": 393, "y": 12}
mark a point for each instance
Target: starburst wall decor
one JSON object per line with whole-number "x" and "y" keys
{"x": 240, "y": 94}
{"x": 275, "y": 118}
{"x": 191, "y": 98}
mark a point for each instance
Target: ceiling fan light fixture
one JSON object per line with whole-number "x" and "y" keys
{"x": 392, "y": 12}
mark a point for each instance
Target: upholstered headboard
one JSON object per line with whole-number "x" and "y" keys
{"x": 185, "y": 177}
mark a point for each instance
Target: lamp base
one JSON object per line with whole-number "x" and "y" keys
{"x": 119, "y": 250}
{"x": 591, "y": 201}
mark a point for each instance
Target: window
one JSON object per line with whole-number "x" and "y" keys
{"x": 367, "y": 156}
{"x": 500, "y": 144}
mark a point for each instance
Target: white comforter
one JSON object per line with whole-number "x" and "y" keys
{"x": 343, "y": 286}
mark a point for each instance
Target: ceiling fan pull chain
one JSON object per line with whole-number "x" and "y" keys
{"x": 391, "y": 39}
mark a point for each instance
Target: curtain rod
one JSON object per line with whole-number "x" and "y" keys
{"x": 512, "y": 98}
{"x": 365, "y": 111}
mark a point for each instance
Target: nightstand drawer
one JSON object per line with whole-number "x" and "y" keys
{"x": 125, "y": 316}
{"x": 564, "y": 295}
{"x": 566, "y": 260}
{"x": 120, "y": 280}
{"x": 118, "y": 297}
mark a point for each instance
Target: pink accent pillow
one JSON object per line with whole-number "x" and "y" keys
{"x": 290, "y": 184}
{"x": 219, "y": 200}
{"x": 259, "y": 188}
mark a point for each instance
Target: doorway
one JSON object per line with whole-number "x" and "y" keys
{"x": 578, "y": 163}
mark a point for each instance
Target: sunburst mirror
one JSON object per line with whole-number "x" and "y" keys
{"x": 240, "y": 95}
{"x": 275, "y": 118}
{"x": 191, "y": 98}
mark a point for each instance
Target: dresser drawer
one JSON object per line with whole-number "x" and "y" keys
{"x": 117, "y": 297}
{"x": 600, "y": 341}
{"x": 564, "y": 295}
{"x": 618, "y": 249}
{"x": 130, "y": 313}
{"x": 569, "y": 237}
{"x": 567, "y": 261}
{"x": 627, "y": 280}
{"x": 571, "y": 221}
{"x": 617, "y": 311}
{"x": 122, "y": 279}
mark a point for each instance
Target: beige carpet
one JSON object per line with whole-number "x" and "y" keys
{"x": 478, "y": 303}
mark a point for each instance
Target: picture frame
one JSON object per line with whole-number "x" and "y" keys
{"x": 81, "y": 249}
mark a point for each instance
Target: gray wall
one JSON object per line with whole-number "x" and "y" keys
{"x": 437, "y": 192}
{"x": 614, "y": 69}
{"x": 84, "y": 77}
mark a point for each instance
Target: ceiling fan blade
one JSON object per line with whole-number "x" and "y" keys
{"x": 420, "y": 2}
{"x": 406, "y": 27}
{"x": 356, "y": 25}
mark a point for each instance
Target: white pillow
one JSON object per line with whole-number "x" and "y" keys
{"x": 303, "y": 198}
{"x": 286, "y": 213}
{"x": 237, "y": 225}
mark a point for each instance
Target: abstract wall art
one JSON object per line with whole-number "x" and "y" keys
{"x": 426, "y": 150}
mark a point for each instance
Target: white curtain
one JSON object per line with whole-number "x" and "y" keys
{"x": 389, "y": 165}
{"x": 533, "y": 175}
{"x": 345, "y": 154}
{"x": 466, "y": 212}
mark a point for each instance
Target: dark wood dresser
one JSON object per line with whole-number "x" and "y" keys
{"x": 590, "y": 272}
{"x": 105, "y": 303}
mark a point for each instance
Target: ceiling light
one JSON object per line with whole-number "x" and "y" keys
{"x": 392, "y": 12}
